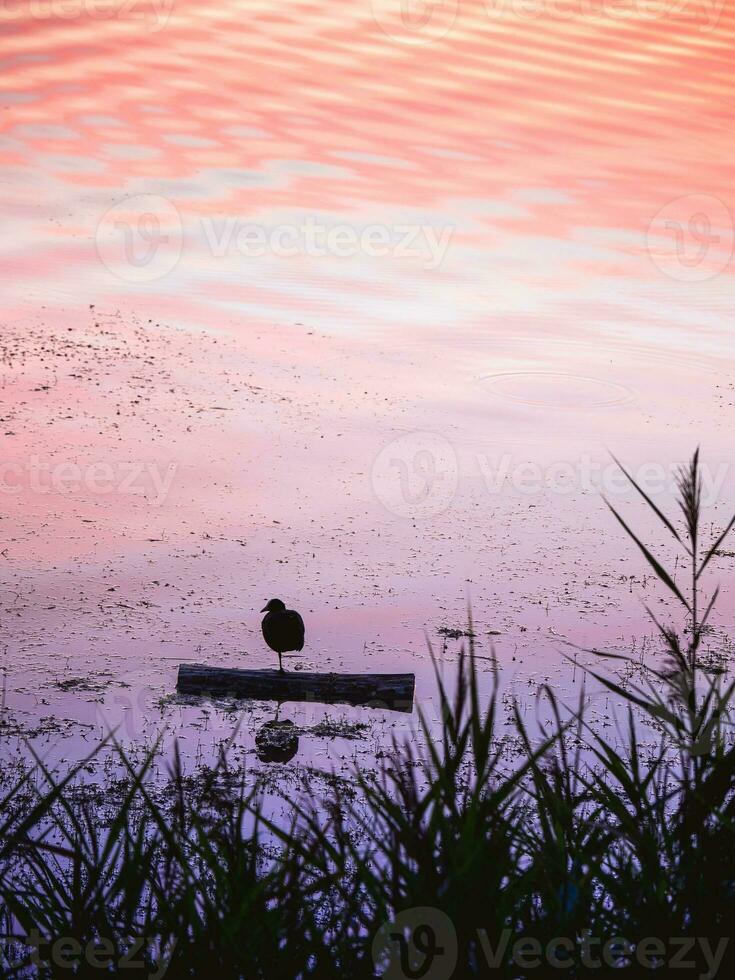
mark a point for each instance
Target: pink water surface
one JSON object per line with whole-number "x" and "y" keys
{"x": 194, "y": 423}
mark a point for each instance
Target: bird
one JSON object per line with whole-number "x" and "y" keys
{"x": 283, "y": 629}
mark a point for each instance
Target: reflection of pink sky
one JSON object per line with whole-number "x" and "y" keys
{"x": 615, "y": 116}
{"x": 547, "y": 144}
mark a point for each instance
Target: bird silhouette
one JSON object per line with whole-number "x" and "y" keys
{"x": 283, "y": 629}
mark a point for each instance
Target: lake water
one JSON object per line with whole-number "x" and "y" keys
{"x": 348, "y": 303}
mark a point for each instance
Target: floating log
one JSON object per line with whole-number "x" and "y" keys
{"x": 393, "y": 691}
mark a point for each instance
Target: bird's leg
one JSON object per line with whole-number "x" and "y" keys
{"x": 280, "y": 663}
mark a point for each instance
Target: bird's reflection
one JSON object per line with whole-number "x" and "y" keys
{"x": 277, "y": 741}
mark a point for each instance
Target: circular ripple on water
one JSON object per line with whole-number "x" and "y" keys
{"x": 556, "y": 389}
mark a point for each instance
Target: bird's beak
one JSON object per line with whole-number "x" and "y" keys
{"x": 264, "y": 609}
